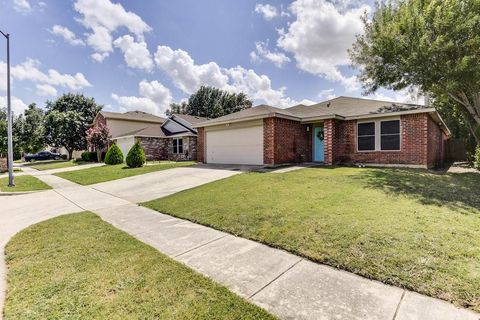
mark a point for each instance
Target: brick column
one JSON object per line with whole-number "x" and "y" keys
{"x": 329, "y": 136}
{"x": 268, "y": 141}
{"x": 201, "y": 145}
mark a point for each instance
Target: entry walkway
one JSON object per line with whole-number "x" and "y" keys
{"x": 284, "y": 284}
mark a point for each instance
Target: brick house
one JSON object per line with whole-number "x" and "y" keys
{"x": 172, "y": 138}
{"x": 342, "y": 130}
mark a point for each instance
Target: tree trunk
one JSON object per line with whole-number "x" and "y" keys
{"x": 70, "y": 154}
{"x": 99, "y": 155}
{"x": 472, "y": 111}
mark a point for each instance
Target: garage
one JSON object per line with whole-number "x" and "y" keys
{"x": 125, "y": 144}
{"x": 235, "y": 145}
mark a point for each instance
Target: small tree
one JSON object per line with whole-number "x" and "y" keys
{"x": 114, "y": 155}
{"x": 136, "y": 156}
{"x": 99, "y": 137}
{"x": 67, "y": 120}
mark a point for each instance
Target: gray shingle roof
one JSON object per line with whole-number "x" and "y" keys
{"x": 133, "y": 116}
{"x": 342, "y": 107}
{"x": 190, "y": 119}
{"x": 258, "y": 111}
{"x": 352, "y": 107}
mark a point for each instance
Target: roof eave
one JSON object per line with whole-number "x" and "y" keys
{"x": 256, "y": 117}
{"x": 389, "y": 114}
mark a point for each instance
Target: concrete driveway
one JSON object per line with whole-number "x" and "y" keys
{"x": 159, "y": 184}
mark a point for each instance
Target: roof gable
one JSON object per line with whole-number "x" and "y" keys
{"x": 138, "y": 116}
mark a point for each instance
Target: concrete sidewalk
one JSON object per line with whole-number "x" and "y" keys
{"x": 284, "y": 284}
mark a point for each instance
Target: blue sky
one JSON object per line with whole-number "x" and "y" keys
{"x": 142, "y": 55}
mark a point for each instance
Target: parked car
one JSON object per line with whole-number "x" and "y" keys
{"x": 43, "y": 155}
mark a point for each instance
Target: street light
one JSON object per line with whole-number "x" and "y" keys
{"x": 9, "y": 115}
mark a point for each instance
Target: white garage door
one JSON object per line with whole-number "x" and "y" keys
{"x": 125, "y": 144}
{"x": 235, "y": 146}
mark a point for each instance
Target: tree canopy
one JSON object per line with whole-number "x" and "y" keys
{"x": 67, "y": 120}
{"x": 430, "y": 44}
{"x": 211, "y": 102}
{"x": 31, "y": 129}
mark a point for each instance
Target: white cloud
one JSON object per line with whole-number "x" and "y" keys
{"x": 266, "y": 10}
{"x": 188, "y": 77}
{"x": 327, "y": 94}
{"x": 18, "y": 106}
{"x": 46, "y": 90}
{"x": 136, "y": 54}
{"x": 103, "y": 17}
{"x": 320, "y": 37}
{"x": 263, "y": 53}
{"x": 67, "y": 34}
{"x": 3, "y": 76}
{"x": 22, "y": 6}
{"x": 29, "y": 70}
{"x": 154, "y": 98}
{"x": 99, "y": 57}
{"x": 100, "y": 40}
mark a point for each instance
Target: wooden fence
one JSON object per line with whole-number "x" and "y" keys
{"x": 455, "y": 150}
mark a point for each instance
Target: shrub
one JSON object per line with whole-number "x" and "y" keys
{"x": 89, "y": 156}
{"x": 476, "y": 162}
{"x": 85, "y": 156}
{"x": 64, "y": 157}
{"x": 114, "y": 155}
{"x": 136, "y": 156}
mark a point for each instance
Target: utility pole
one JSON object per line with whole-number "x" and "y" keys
{"x": 10, "y": 117}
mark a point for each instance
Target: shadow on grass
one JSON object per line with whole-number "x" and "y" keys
{"x": 456, "y": 190}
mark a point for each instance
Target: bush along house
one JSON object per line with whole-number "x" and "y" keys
{"x": 343, "y": 130}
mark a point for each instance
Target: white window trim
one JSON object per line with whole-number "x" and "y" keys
{"x": 175, "y": 142}
{"x": 378, "y": 136}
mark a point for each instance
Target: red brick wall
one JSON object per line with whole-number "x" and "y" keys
{"x": 201, "y": 145}
{"x": 268, "y": 141}
{"x": 330, "y": 145}
{"x": 285, "y": 141}
{"x": 414, "y": 144}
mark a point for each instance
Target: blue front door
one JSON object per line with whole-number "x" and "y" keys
{"x": 318, "y": 144}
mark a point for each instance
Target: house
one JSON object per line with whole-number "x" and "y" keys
{"x": 341, "y": 130}
{"x": 172, "y": 138}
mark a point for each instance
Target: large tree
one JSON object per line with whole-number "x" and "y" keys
{"x": 32, "y": 129}
{"x": 431, "y": 44}
{"x": 67, "y": 120}
{"x": 211, "y": 102}
{"x": 16, "y": 128}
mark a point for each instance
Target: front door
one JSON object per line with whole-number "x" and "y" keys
{"x": 318, "y": 144}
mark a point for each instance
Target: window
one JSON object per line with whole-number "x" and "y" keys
{"x": 177, "y": 146}
{"x": 390, "y": 135}
{"x": 366, "y": 136}
{"x": 379, "y": 135}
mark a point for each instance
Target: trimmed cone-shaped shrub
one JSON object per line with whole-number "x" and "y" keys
{"x": 114, "y": 155}
{"x": 136, "y": 156}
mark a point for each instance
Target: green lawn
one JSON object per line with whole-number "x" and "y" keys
{"x": 79, "y": 267}
{"x": 23, "y": 183}
{"x": 55, "y": 164}
{"x": 410, "y": 228}
{"x": 113, "y": 172}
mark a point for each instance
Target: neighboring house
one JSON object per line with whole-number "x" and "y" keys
{"x": 341, "y": 130}
{"x": 173, "y": 138}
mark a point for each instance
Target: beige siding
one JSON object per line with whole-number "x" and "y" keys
{"x": 121, "y": 127}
